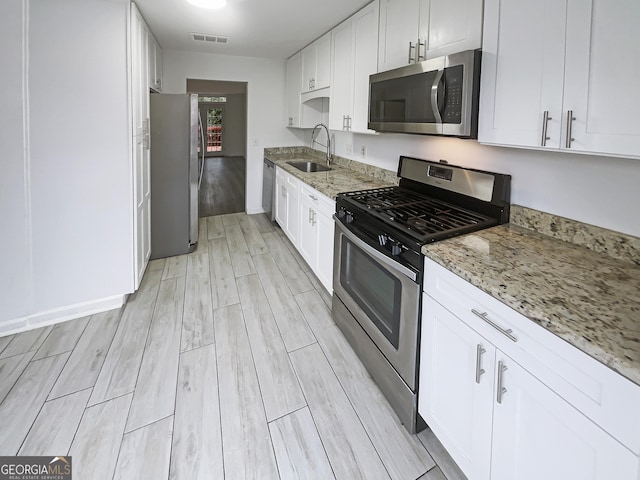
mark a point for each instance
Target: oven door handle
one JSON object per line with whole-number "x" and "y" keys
{"x": 381, "y": 258}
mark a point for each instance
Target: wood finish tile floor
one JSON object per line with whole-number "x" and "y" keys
{"x": 225, "y": 364}
{"x": 222, "y": 190}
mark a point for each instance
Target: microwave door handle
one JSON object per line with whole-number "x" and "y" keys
{"x": 435, "y": 88}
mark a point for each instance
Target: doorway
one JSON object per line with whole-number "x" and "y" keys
{"x": 222, "y": 108}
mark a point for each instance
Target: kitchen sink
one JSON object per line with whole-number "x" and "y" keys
{"x": 309, "y": 166}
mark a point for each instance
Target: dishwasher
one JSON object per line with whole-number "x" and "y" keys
{"x": 268, "y": 181}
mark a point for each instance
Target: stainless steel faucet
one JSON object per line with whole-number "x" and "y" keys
{"x": 327, "y": 146}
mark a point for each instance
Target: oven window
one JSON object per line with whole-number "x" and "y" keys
{"x": 373, "y": 288}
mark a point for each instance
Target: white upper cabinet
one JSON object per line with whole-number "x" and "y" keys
{"x": 316, "y": 64}
{"x": 139, "y": 72}
{"x": 454, "y": 26}
{"x": 415, "y": 30}
{"x": 155, "y": 63}
{"x": 354, "y": 54}
{"x": 294, "y": 87}
{"x": 561, "y": 75}
{"x": 399, "y": 32}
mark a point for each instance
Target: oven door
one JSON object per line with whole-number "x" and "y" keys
{"x": 383, "y": 297}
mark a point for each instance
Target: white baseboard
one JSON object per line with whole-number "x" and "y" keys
{"x": 253, "y": 211}
{"x": 61, "y": 314}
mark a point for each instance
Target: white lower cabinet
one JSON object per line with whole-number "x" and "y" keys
{"x": 509, "y": 403}
{"x": 287, "y": 204}
{"x": 306, "y": 217}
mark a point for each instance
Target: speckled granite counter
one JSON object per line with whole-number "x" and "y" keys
{"x": 586, "y": 297}
{"x": 345, "y": 176}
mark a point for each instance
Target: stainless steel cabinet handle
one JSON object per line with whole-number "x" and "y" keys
{"x": 411, "y": 47}
{"x": 570, "y": 119}
{"x": 545, "y": 122}
{"x": 479, "y": 370}
{"x": 344, "y": 122}
{"x": 348, "y": 122}
{"x": 501, "y": 390}
{"x": 506, "y": 332}
{"x": 313, "y": 218}
{"x": 313, "y": 198}
{"x": 309, "y": 217}
{"x": 419, "y": 57}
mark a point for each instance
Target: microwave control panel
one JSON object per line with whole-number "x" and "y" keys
{"x": 452, "y": 112}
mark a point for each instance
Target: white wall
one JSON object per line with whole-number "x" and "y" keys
{"x": 602, "y": 191}
{"x": 14, "y": 259}
{"x": 78, "y": 232}
{"x": 265, "y": 102}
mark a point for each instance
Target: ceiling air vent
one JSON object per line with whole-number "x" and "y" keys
{"x": 204, "y": 37}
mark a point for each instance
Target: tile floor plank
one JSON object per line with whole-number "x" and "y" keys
{"x": 345, "y": 440}
{"x": 224, "y": 291}
{"x": 229, "y": 219}
{"x": 56, "y": 425}
{"x": 252, "y": 236}
{"x": 299, "y": 451}
{"x": 63, "y": 338}
{"x": 175, "y": 267}
{"x": 197, "y": 321}
{"x": 85, "y": 362}
{"x": 263, "y": 223}
{"x": 294, "y": 251}
{"x": 402, "y": 454}
{"x": 197, "y": 436}
{"x": 97, "y": 443}
{"x": 433, "y": 474}
{"x": 247, "y": 448}
{"x": 145, "y": 452}
{"x": 155, "y": 394}
{"x": 157, "y": 264}
{"x": 239, "y": 251}
{"x": 120, "y": 368}
{"x": 294, "y": 275}
{"x": 215, "y": 227}
{"x": 26, "y": 341}
{"x": 4, "y": 341}
{"x": 10, "y": 370}
{"x": 442, "y": 458}
{"x": 293, "y": 327}
{"x": 280, "y": 389}
{"x": 23, "y": 403}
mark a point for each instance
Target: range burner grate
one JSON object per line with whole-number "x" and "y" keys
{"x": 415, "y": 212}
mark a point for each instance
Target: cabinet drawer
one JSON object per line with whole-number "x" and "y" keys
{"x": 324, "y": 204}
{"x": 607, "y": 398}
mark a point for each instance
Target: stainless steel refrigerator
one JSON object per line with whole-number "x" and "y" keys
{"x": 176, "y": 172}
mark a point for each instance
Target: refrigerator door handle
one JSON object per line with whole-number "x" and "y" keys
{"x": 202, "y": 143}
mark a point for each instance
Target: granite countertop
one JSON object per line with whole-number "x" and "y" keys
{"x": 585, "y": 297}
{"x": 332, "y": 182}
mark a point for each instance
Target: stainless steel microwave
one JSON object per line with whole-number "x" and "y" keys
{"x": 435, "y": 97}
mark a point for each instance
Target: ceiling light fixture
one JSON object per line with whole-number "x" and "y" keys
{"x": 208, "y": 4}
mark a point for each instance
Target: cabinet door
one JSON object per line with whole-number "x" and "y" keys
{"x": 294, "y": 85}
{"x": 308, "y": 55}
{"x": 342, "y": 75}
{"x": 522, "y": 72}
{"x": 322, "y": 77}
{"x": 365, "y": 33}
{"x": 293, "y": 225}
{"x": 601, "y": 76}
{"x": 398, "y": 30}
{"x": 142, "y": 198}
{"x": 538, "y": 435}
{"x": 281, "y": 202}
{"x": 456, "y": 387}
{"x": 139, "y": 72}
{"x": 454, "y": 26}
{"x": 308, "y": 239}
{"x": 324, "y": 271}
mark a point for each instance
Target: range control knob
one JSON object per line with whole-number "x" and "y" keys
{"x": 341, "y": 213}
{"x": 382, "y": 239}
{"x": 349, "y": 218}
{"x": 396, "y": 249}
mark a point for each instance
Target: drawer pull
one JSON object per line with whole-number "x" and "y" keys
{"x": 508, "y": 332}
{"x": 479, "y": 370}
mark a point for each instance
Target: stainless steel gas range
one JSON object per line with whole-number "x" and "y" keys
{"x": 378, "y": 268}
